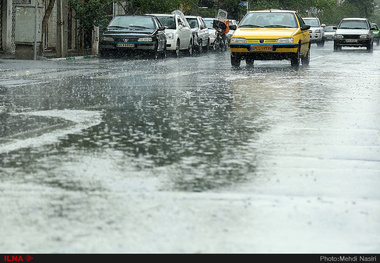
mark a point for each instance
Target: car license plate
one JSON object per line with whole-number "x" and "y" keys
{"x": 351, "y": 41}
{"x": 261, "y": 48}
{"x": 126, "y": 45}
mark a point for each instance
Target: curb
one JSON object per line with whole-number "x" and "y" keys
{"x": 73, "y": 58}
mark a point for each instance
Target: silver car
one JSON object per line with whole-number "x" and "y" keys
{"x": 317, "y": 30}
{"x": 211, "y": 31}
{"x": 354, "y": 32}
{"x": 330, "y": 32}
{"x": 200, "y": 32}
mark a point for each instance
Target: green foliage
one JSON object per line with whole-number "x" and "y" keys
{"x": 149, "y": 6}
{"x": 91, "y": 13}
{"x": 327, "y": 10}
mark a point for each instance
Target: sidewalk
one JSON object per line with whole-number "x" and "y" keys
{"x": 52, "y": 55}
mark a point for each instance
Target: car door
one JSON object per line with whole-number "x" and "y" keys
{"x": 184, "y": 33}
{"x": 305, "y": 36}
{"x": 203, "y": 30}
{"x": 161, "y": 37}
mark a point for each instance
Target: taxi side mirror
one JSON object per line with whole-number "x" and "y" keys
{"x": 233, "y": 27}
{"x": 305, "y": 27}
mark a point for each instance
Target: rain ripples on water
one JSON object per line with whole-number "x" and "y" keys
{"x": 192, "y": 133}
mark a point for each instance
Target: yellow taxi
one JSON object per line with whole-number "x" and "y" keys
{"x": 271, "y": 35}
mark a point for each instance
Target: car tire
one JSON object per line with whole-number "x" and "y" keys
{"x": 370, "y": 47}
{"x": 235, "y": 61}
{"x": 337, "y": 48}
{"x": 295, "y": 59}
{"x": 154, "y": 54}
{"x": 200, "y": 47}
{"x": 163, "y": 53}
{"x": 306, "y": 59}
{"x": 190, "y": 49}
{"x": 249, "y": 61}
{"x": 177, "y": 49}
{"x": 207, "y": 47}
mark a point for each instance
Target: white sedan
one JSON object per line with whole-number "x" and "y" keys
{"x": 211, "y": 30}
{"x": 178, "y": 33}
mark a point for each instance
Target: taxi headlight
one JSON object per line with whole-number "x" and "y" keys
{"x": 107, "y": 38}
{"x": 145, "y": 39}
{"x": 238, "y": 40}
{"x": 317, "y": 31}
{"x": 338, "y": 36}
{"x": 285, "y": 40}
{"x": 364, "y": 36}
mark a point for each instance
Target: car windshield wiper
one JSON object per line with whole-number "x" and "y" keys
{"x": 118, "y": 26}
{"x": 144, "y": 27}
{"x": 250, "y": 26}
{"x": 276, "y": 26}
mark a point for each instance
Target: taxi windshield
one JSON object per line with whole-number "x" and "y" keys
{"x": 269, "y": 20}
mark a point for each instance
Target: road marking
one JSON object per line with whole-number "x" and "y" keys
{"x": 315, "y": 58}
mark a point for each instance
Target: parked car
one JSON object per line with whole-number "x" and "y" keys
{"x": 178, "y": 33}
{"x": 354, "y": 32}
{"x": 200, "y": 32}
{"x": 211, "y": 30}
{"x": 126, "y": 34}
{"x": 330, "y": 32}
{"x": 376, "y": 33}
{"x": 231, "y": 32}
{"x": 317, "y": 30}
{"x": 270, "y": 35}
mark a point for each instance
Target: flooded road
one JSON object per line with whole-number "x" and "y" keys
{"x": 191, "y": 155}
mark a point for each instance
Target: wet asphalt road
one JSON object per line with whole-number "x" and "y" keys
{"x": 191, "y": 155}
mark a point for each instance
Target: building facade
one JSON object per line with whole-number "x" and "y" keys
{"x": 60, "y": 25}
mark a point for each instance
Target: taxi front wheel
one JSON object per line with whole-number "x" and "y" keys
{"x": 295, "y": 59}
{"x": 306, "y": 59}
{"x": 235, "y": 61}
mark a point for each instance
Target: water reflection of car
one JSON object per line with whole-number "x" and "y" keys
{"x": 330, "y": 32}
{"x": 178, "y": 33}
{"x": 132, "y": 34}
{"x": 317, "y": 30}
{"x": 200, "y": 32}
{"x": 354, "y": 32}
{"x": 376, "y": 33}
{"x": 211, "y": 31}
{"x": 270, "y": 35}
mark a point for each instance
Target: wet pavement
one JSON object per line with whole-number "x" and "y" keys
{"x": 191, "y": 155}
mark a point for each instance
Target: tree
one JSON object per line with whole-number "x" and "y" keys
{"x": 90, "y": 13}
{"x": 132, "y": 7}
